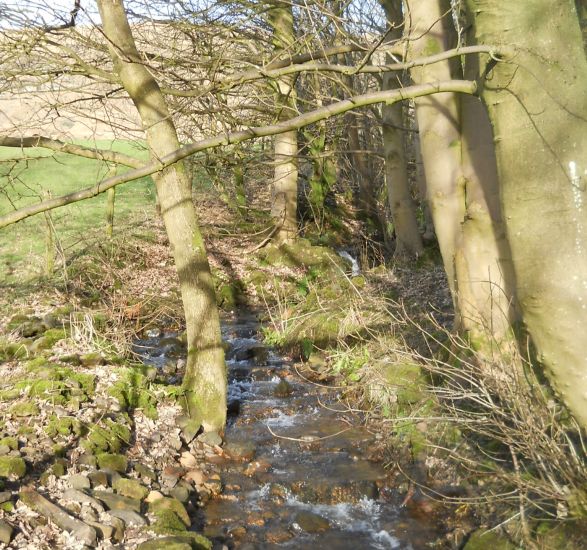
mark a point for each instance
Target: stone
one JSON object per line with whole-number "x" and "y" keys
{"x": 240, "y": 450}
{"x": 210, "y": 438}
{"x": 173, "y": 505}
{"x": 91, "y": 360}
{"x": 181, "y": 493}
{"x": 116, "y": 462}
{"x": 12, "y": 466}
{"x": 195, "y": 476}
{"x": 50, "y": 511}
{"x": 130, "y": 488}
{"x": 117, "y": 502}
{"x": 153, "y": 496}
{"x": 282, "y": 389}
{"x": 88, "y": 460}
{"x": 145, "y": 471}
{"x": 5, "y": 496}
{"x": 130, "y": 517}
{"x": 98, "y": 478}
{"x": 6, "y": 531}
{"x": 74, "y": 495}
{"x": 118, "y": 525}
{"x": 193, "y": 541}
{"x": 188, "y": 460}
{"x": 4, "y": 449}
{"x": 106, "y": 532}
{"x": 311, "y": 523}
{"x": 79, "y": 482}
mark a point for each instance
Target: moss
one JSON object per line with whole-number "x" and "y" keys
{"x": 64, "y": 426}
{"x": 116, "y": 462}
{"x": 7, "y": 507}
{"x": 9, "y": 395}
{"x": 133, "y": 391}
{"x": 406, "y": 381}
{"x": 171, "y": 505}
{"x": 130, "y": 488}
{"x": 484, "y": 540}
{"x": 25, "y": 409}
{"x": 13, "y": 350}
{"x": 10, "y": 442}
{"x": 186, "y": 541}
{"x": 109, "y": 436}
{"x": 12, "y": 466}
{"x": 91, "y": 359}
{"x": 167, "y": 522}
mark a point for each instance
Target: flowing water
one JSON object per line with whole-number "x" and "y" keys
{"x": 300, "y": 475}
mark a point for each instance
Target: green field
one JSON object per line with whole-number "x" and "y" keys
{"x": 27, "y": 175}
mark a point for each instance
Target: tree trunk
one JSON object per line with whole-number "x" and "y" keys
{"x": 205, "y": 377}
{"x": 537, "y": 103}
{"x": 285, "y": 178}
{"x": 428, "y": 26}
{"x": 408, "y": 242}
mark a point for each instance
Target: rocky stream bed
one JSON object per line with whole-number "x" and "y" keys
{"x": 94, "y": 454}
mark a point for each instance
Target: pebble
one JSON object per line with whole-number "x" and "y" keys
{"x": 188, "y": 460}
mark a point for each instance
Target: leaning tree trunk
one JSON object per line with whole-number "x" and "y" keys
{"x": 285, "y": 178}
{"x": 205, "y": 377}
{"x": 537, "y": 103}
{"x": 408, "y": 243}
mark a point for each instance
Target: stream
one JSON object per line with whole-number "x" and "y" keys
{"x": 297, "y": 473}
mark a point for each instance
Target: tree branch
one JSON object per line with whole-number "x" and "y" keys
{"x": 70, "y": 148}
{"x": 387, "y": 96}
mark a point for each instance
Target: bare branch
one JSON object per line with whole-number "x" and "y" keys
{"x": 70, "y": 148}
{"x": 387, "y": 96}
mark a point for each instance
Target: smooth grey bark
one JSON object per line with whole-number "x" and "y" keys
{"x": 537, "y": 103}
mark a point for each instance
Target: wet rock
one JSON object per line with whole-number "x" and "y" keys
{"x": 283, "y": 389}
{"x": 181, "y": 493}
{"x": 117, "y": 502}
{"x": 172, "y": 347}
{"x": 116, "y": 462}
{"x": 12, "y": 466}
{"x": 257, "y": 354}
{"x": 277, "y": 535}
{"x": 236, "y": 532}
{"x": 210, "y": 438}
{"x": 311, "y": 523}
{"x": 79, "y": 482}
{"x": 130, "y": 517}
{"x": 172, "y": 505}
{"x": 130, "y": 488}
{"x": 52, "y": 512}
{"x": 326, "y": 492}
{"x": 240, "y": 450}
{"x": 6, "y": 531}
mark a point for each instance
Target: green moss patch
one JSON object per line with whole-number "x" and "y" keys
{"x": 12, "y": 466}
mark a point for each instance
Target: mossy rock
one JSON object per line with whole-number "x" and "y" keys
{"x": 562, "y": 535}
{"x": 130, "y": 488}
{"x": 109, "y": 436}
{"x": 301, "y": 253}
{"x": 116, "y": 462}
{"x": 167, "y": 522}
{"x": 488, "y": 540}
{"x": 406, "y": 380}
{"x": 64, "y": 426}
{"x": 48, "y": 339}
{"x": 173, "y": 505}
{"x": 230, "y": 295}
{"x": 91, "y": 359}
{"x": 25, "y": 409}
{"x": 10, "y": 442}
{"x": 13, "y": 350}
{"x": 12, "y": 466}
{"x": 185, "y": 541}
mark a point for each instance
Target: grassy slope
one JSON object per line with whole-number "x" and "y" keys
{"x": 40, "y": 170}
